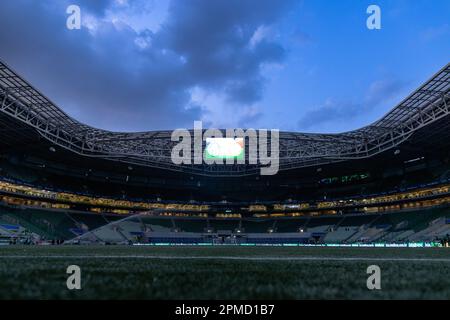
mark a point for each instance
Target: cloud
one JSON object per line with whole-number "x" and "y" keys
{"x": 249, "y": 116}
{"x": 97, "y": 7}
{"x": 333, "y": 111}
{"x": 219, "y": 112}
{"x": 123, "y": 74}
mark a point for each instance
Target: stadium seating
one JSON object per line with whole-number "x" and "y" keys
{"x": 436, "y": 229}
{"x": 107, "y": 234}
{"x": 367, "y": 235}
{"x": 320, "y": 229}
{"x": 223, "y": 224}
{"x": 414, "y": 225}
{"x": 286, "y": 225}
{"x": 340, "y": 235}
{"x": 158, "y": 224}
{"x": 191, "y": 225}
{"x": 257, "y": 226}
{"x": 91, "y": 221}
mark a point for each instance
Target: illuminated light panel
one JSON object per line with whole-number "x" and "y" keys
{"x": 224, "y": 148}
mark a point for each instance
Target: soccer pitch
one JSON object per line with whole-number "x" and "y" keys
{"x": 223, "y": 272}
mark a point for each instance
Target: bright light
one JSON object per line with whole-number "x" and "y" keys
{"x": 224, "y": 148}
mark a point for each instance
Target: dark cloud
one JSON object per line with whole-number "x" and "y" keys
{"x": 338, "y": 111}
{"x": 94, "y": 6}
{"x": 249, "y": 117}
{"x": 119, "y": 78}
{"x": 245, "y": 91}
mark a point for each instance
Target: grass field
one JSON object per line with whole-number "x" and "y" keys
{"x": 224, "y": 272}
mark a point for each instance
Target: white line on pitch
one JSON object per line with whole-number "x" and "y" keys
{"x": 247, "y": 258}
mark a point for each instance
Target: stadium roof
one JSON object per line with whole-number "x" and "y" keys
{"x": 21, "y": 101}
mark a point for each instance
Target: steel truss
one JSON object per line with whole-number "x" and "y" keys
{"x": 21, "y": 101}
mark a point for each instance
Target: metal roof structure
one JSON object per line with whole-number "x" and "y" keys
{"x": 20, "y": 101}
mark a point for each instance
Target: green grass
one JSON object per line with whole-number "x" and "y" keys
{"x": 209, "y": 273}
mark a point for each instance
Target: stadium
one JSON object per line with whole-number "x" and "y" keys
{"x": 327, "y": 178}
{"x": 63, "y": 181}
{"x": 116, "y": 204}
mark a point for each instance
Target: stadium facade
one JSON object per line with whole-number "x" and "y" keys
{"x": 61, "y": 179}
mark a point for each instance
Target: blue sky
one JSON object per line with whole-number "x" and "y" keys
{"x": 293, "y": 65}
